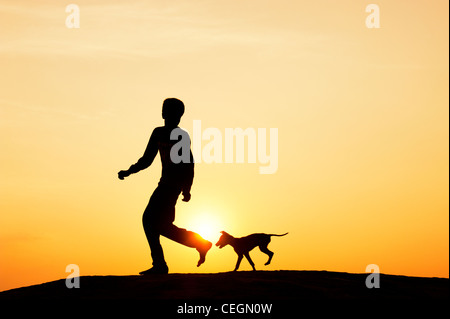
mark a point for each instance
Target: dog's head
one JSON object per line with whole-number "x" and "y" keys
{"x": 224, "y": 239}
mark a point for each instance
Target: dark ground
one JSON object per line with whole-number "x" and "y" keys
{"x": 258, "y": 286}
{"x": 290, "y": 294}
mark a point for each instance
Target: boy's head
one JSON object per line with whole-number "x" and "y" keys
{"x": 172, "y": 111}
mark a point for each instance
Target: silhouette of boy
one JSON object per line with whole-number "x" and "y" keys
{"x": 176, "y": 178}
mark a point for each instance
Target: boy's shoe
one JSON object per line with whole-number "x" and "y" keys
{"x": 161, "y": 270}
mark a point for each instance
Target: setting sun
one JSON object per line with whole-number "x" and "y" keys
{"x": 206, "y": 225}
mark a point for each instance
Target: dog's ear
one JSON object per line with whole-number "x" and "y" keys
{"x": 222, "y": 232}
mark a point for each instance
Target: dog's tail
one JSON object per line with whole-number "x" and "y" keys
{"x": 278, "y": 235}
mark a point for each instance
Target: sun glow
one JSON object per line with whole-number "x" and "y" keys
{"x": 207, "y": 226}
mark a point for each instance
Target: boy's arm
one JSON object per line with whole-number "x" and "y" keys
{"x": 146, "y": 160}
{"x": 188, "y": 179}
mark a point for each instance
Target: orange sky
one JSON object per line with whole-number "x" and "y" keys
{"x": 362, "y": 117}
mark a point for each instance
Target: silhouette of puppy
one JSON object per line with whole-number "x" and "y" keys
{"x": 243, "y": 246}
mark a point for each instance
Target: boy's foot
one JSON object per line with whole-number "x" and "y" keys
{"x": 155, "y": 271}
{"x": 202, "y": 251}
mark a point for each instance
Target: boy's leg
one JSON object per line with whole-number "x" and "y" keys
{"x": 151, "y": 223}
{"x": 155, "y": 246}
{"x": 158, "y": 220}
{"x": 180, "y": 235}
{"x": 187, "y": 238}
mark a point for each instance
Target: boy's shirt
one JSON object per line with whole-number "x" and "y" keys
{"x": 181, "y": 174}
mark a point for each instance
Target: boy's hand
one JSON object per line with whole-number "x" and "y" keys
{"x": 123, "y": 174}
{"x": 186, "y": 197}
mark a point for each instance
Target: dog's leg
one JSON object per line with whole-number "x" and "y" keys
{"x": 266, "y": 250}
{"x": 247, "y": 255}
{"x": 238, "y": 262}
